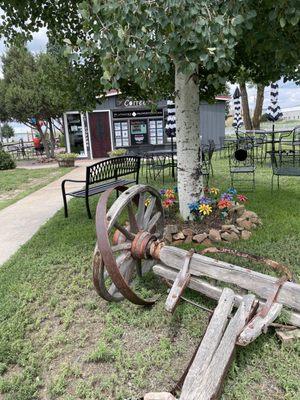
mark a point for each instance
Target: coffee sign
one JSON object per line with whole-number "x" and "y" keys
{"x": 132, "y": 103}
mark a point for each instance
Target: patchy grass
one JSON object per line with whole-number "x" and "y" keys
{"x": 59, "y": 340}
{"x": 20, "y": 182}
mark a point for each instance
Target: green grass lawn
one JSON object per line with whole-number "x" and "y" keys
{"x": 18, "y": 183}
{"x": 59, "y": 340}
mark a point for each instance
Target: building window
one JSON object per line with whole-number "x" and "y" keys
{"x": 156, "y": 131}
{"x": 139, "y": 131}
{"x": 121, "y": 134}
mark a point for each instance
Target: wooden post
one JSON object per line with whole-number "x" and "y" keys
{"x": 206, "y": 375}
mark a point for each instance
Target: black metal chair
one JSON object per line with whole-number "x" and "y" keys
{"x": 285, "y": 163}
{"x": 241, "y": 161}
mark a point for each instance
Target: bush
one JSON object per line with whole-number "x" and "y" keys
{"x": 66, "y": 156}
{"x": 6, "y": 160}
{"x": 117, "y": 153}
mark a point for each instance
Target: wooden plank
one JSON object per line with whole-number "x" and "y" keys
{"x": 258, "y": 324}
{"x": 260, "y": 284}
{"x": 213, "y": 292}
{"x": 159, "y": 396}
{"x": 288, "y": 335}
{"x": 180, "y": 283}
{"x": 207, "y": 386}
{"x": 210, "y": 341}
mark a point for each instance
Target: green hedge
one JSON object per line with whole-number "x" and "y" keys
{"x": 6, "y": 161}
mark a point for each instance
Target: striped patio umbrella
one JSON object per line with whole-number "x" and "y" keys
{"x": 237, "y": 119}
{"x": 274, "y": 111}
{"x": 170, "y": 128}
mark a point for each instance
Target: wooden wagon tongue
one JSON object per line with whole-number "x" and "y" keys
{"x": 140, "y": 240}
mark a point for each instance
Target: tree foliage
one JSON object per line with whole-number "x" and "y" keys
{"x": 37, "y": 88}
{"x": 7, "y": 131}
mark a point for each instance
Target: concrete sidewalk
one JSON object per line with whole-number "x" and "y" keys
{"x": 20, "y": 221}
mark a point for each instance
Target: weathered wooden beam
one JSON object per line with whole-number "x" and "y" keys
{"x": 208, "y": 384}
{"x": 288, "y": 335}
{"x": 258, "y": 325}
{"x": 213, "y": 292}
{"x": 260, "y": 284}
{"x": 159, "y": 396}
{"x": 180, "y": 283}
{"x": 210, "y": 341}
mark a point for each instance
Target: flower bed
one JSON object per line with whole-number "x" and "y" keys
{"x": 215, "y": 217}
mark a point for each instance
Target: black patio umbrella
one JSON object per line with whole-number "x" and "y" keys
{"x": 170, "y": 128}
{"x": 237, "y": 119}
{"x": 274, "y": 111}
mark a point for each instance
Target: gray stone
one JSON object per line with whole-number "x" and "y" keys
{"x": 200, "y": 237}
{"x": 229, "y": 236}
{"x": 168, "y": 238}
{"x": 244, "y": 223}
{"x": 214, "y": 235}
{"x": 188, "y": 232}
{"x": 171, "y": 229}
{"x": 178, "y": 236}
{"x": 246, "y": 235}
{"x": 236, "y": 211}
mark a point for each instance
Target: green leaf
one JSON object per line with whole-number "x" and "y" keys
{"x": 282, "y": 22}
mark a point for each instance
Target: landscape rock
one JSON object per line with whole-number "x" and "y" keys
{"x": 188, "y": 232}
{"x": 229, "y": 236}
{"x": 188, "y": 239}
{"x": 207, "y": 242}
{"x": 168, "y": 237}
{"x": 214, "y": 235}
{"x": 229, "y": 228}
{"x": 171, "y": 229}
{"x": 237, "y": 210}
{"x": 178, "y": 236}
{"x": 244, "y": 223}
{"x": 245, "y": 235}
{"x": 200, "y": 237}
{"x": 178, "y": 242}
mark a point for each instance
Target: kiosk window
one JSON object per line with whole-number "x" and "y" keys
{"x": 139, "y": 131}
{"x": 156, "y": 131}
{"x": 121, "y": 133}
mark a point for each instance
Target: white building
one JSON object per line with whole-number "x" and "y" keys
{"x": 291, "y": 113}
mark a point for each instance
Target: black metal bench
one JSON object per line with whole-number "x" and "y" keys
{"x": 107, "y": 171}
{"x": 285, "y": 163}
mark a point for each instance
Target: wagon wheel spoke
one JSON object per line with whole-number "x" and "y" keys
{"x": 121, "y": 247}
{"x": 149, "y": 212}
{"x": 127, "y": 268}
{"x": 141, "y": 210}
{"x": 122, "y": 229}
{"x": 153, "y": 221}
{"x": 132, "y": 220}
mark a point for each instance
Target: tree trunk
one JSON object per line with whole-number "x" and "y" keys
{"x": 52, "y": 138}
{"x": 44, "y": 141}
{"x": 245, "y": 106}
{"x": 190, "y": 180}
{"x": 258, "y": 106}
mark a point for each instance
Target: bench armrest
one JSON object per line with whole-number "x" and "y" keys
{"x": 69, "y": 180}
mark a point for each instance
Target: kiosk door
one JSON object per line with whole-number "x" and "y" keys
{"x": 100, "y": 133}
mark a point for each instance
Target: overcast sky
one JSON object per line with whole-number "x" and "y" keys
{"x": 289, "y": 93}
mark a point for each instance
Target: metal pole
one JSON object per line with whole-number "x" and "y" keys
{"x": 172, "y": 150}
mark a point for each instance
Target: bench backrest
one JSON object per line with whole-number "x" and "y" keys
{"x": 113, "y": 168}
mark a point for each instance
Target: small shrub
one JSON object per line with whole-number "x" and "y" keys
{"x": 6, "y": 160}
{"x": 117, "y": 152}
{"x": 66, "y": 156}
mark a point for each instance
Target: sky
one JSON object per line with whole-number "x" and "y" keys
{"x": 289, "y": 93}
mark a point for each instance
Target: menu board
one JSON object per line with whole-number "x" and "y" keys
{"x": 156, "y": 131}
{"x": 121, "y": 134}
{"x": 139, "y": 131}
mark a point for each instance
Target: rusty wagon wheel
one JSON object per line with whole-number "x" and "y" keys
{"x": 123, "y": 233}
